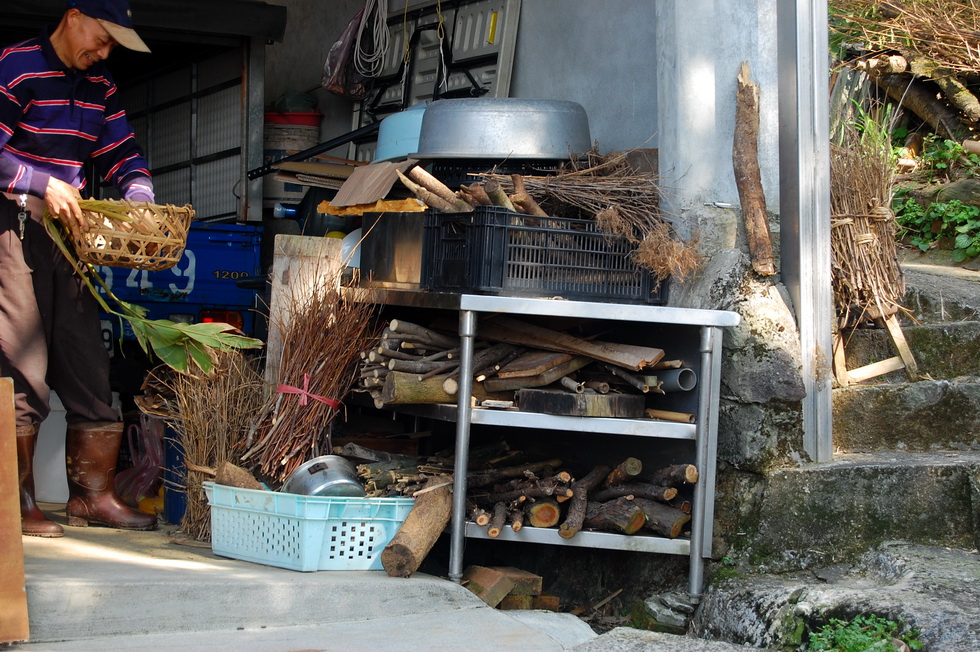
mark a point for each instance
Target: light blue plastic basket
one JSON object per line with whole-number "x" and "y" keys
{"x": 304, "y": 533}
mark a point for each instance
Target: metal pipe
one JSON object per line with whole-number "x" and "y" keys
{"x": 677, "y": 380}
{"x": 467, "y": 333}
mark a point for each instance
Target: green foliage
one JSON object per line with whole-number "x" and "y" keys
{"x": 182, "y": 347}
{"x": 862, "y": 633}
{"x": 944, "y": 157}
{"x": 925, "y": 226}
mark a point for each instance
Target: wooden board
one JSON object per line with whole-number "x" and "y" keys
{"x": 539, "y": 380}
{"x": 300, "y": 262}
{"x": 533, "y": 363}
{"x": 14, "y": 626}
{"x": 504, "y": 329}
{"x": 560, "y": 402}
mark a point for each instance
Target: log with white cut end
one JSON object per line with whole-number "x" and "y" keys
{"x": 425, "y": 523}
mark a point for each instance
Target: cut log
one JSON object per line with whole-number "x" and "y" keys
{"x": 626, "y": 471}
{"x": 663, "y": 519}
{"x": 433, "y": 185}
{"x": 506, "y": 329}
{"x": 637, "y": 490}
{"x": 403, "y": 328}
{"x": 497, "y": 195}
{"x": 474, "y": 194}
{"x": 235, "y": 476}
{"x": 543, "y": 512}
{"x": 576, "y": 507}
{"x": 425, "y": 523}
{"x": 490, "y": 476}
{"x": 748, "y": 174}
{"x": 480, "y": 516}
{"x": 515, "y": 516}
{"x": 498, "y": 518}
{"x": 621, "y": 515}
{"x": 432, "y": 200}
{"x": 921, "y": 98}
{"x": 675, "y": 475}
{"x": 403, "y": 388}
{"x": 522, "y": 200}
{"x": 546, "y": 378}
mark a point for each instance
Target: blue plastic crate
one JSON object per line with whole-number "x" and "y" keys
{"x": 304, "y": 533}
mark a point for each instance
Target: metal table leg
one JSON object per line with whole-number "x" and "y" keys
{"x": 467, "y": 332}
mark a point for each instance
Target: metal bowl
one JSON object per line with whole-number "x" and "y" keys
{"x": 327, "y": 475}
{"x": 503, "y": 128}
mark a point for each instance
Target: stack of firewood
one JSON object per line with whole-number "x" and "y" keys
{"x": 414, "y": 364}
{"x": 504, "y": 489}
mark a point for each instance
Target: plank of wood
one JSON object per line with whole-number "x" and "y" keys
{"x": 494, "y": 385}
{"x": 533, "y": 363}
{"x": 875, "y": 369}
{"x": 488, "y": 584}
{"x": 904, "y": 352}
{"x": 14, "y": 626}
{"x": 299, "y": 263}
{"x": 513, "y": 331}
{"x": 550, "y": 401}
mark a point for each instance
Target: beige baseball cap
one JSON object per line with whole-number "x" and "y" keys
{"x": 117, "y": 19}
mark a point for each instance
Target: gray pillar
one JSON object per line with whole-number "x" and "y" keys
{"x": 804, "y": 190}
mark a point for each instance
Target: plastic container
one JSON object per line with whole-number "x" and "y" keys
{"x": 496, "y": 251}
{"x": 303, "y": 533}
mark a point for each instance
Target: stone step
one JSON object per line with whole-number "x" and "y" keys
{"x": 941, "y": 351}
{"x": 920, "y": 416}
{"x": 821, "y": 514}
{"x": 934, "y": 590}
{"x": 938, "y": 294}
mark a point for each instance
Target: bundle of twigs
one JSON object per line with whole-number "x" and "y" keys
{"x": 322, "y": 333}
{"x": 211, "y": 414}
{"x": 943, "y": 31}
{"x": 623, "y": 201}
{"x": 867, "y": 279}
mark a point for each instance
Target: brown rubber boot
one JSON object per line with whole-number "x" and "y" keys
{"x": 91, "y": 450}
{"x": 33, "y": 522}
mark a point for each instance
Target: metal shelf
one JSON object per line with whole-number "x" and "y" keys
{"x": 518, "y": 419}
{"x": 586, "y": 539}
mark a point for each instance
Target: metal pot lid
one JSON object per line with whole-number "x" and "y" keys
{"x": 503, "y": 128}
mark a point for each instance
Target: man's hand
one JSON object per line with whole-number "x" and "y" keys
{"x": 62, "y": 200}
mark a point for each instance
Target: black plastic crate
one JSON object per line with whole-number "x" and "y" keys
{"x": 496, "y": 251}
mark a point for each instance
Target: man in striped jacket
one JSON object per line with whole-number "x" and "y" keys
{"x": 59, "y": 111}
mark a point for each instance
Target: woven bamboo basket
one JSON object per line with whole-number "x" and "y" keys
{"x": 152, "y": 238}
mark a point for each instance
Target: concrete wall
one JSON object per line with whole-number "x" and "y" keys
{"x": 649, "y": 74}
{"x": 601, "y": 54}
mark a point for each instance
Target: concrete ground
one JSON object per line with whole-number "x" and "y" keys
{"x": 99, "y": 588}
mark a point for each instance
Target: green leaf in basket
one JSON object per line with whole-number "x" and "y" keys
{"x": 177, "y": 345}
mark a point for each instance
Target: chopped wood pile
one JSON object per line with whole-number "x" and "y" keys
{"x": 520, "y": 364}
{"x": 623, "y": 201}
{"x": 505, "y": 489}
{"x": 921, "y": 53}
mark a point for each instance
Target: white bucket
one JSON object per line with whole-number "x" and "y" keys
{"x": 280, "y": 141}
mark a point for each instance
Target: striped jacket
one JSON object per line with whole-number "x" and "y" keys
{"x": 53, "y": 119}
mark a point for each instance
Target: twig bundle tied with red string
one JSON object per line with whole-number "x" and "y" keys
{"x": 322, "y": 335}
